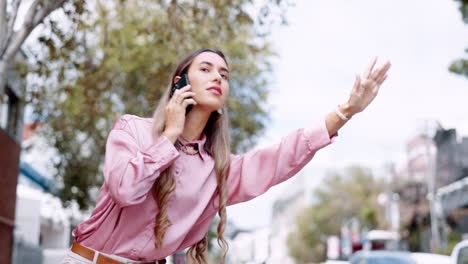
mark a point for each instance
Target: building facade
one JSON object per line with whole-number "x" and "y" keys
{"x": 410, "y": 187}
{"x": 435, "y": 167}
{"x": 452, "y": 184}
{"x": 11, "y": 116}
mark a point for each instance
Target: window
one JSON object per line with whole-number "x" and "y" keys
{"x": 463, "y": 256}
{"x": 3, "y": 111}
{"x": 10, "y": 113}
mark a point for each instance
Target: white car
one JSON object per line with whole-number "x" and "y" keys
{"x": 460, "y": 253}
{"x": 397, "y": 257}
{"x": 429, "y": 258}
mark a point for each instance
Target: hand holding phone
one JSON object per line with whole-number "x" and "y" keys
{"x": 182, "y": 82}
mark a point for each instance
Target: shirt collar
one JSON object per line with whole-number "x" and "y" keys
{"x": 196, "y": 145}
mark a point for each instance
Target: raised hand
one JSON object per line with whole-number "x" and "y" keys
{"x": 367, "y": 87}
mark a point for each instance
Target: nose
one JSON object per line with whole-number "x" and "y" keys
{"x": 218, "y": 77}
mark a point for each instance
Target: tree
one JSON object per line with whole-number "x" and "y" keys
{"x": 460, "y": 66}
{"x": 117, "y": 59}
{"x": 340, "y": 198}
{"x": 13, "y": 35}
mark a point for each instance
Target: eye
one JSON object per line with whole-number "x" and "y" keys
{"x": 205, "y": 70}
{"x": 225, "y": 76}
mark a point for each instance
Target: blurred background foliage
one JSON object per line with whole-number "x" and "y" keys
{"x": 351, "y": 193}
{"x": 460, "y": 66}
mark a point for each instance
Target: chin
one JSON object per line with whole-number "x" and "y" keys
{"x": 211, "y": 106}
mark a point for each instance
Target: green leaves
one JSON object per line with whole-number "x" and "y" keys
{"x": 463, "y": 9}
{"x": 339, "y": 198}
{"x": 460, "y": 66}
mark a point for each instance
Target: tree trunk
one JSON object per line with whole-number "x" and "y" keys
{"x": 3, "y": 72}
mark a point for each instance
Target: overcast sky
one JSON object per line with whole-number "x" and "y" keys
{"x": 326, "y": 44}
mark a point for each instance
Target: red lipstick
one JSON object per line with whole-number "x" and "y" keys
{"x": 216, "y": 89}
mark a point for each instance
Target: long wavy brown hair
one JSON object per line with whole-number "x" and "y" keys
{"x": 217, "y": 145}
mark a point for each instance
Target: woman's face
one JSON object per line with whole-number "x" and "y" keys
{"x": 209, "y": 77}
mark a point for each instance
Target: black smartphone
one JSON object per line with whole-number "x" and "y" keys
{"x": 179, "y": 85}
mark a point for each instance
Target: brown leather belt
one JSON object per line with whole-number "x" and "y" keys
{"x": 88, "y": 254}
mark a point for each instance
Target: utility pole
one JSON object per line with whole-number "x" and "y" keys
{"x": 435, "y": 241}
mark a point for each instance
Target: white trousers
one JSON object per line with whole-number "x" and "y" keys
{"x": 73, "y": 258}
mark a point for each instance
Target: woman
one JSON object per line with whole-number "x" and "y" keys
{"x": 166, "y": 177}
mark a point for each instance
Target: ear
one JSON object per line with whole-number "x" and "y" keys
{"x": 176, "y": 79}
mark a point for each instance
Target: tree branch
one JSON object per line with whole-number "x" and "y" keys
{"x": 18, "y": 37}
{"x": 3, "y": 24}
{"x": 46, "y": 10}
{"x": 15, "y": 7}
{"x": 34, "y": 16}
{"x": 31, "y": 13}
{"x": 11, "y": 23}
{"x": 16, "y": 42}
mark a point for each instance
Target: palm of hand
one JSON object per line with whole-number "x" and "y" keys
{"x": 366, "y": 88}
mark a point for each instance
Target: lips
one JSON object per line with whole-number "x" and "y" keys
{"x": 215, "y": 89}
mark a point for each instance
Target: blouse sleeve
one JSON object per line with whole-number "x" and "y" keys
{"x": 129, "y": 170}
{"x": 253, "y": 173}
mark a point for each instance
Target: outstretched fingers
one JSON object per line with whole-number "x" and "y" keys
{"x": 379, "y": 74}
{"x": 369, "y": 69}
{"x": 381, "y": 79}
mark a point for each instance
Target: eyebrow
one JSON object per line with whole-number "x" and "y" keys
{"x": 211, "y": 64}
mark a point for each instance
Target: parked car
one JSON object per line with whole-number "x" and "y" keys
{"x": 381, "y": 257}
{"x": 397, "y": 257}
{"x": 460, "y": 253}
{"x": 429, "y": 258}
{"x": 381, "y": 240}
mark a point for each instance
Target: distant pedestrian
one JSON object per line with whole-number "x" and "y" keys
{"x": 166, "y": 177}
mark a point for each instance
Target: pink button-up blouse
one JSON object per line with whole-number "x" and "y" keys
{"x": 124, "y": 218}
